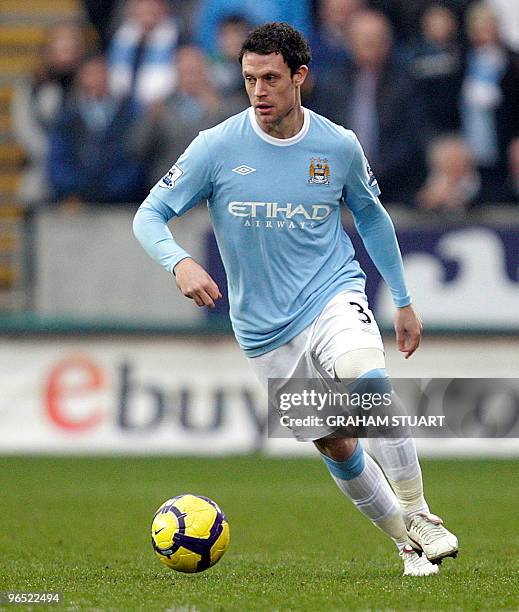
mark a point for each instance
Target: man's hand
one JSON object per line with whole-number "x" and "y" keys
{"x": 195, "y": 283}
{"x": 408, "y": 328}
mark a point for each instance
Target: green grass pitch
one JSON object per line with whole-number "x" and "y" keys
{"x": 80, "y": 526}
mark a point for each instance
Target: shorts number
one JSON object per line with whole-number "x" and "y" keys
{"x": 363, "y": 315}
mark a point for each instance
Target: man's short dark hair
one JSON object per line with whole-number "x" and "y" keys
{"x": 278, "y": 38}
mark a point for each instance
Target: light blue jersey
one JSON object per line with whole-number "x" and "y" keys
{"x": 275, "y": 208}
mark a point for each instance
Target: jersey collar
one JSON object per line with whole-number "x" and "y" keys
{"x": 280, "y": 142}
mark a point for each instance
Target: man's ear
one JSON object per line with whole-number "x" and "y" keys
{"x": 300, "y": 75}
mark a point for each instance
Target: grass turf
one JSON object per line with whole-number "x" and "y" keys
{"x": 80, "y": 526}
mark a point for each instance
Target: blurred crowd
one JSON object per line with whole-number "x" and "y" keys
{"x": 431, "y": 89}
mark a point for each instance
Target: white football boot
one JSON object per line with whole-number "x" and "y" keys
{"x": 416, "y": 565}
{"x": 428, "y": 533}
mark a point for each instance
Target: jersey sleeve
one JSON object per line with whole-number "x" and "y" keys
{"x": 378, "y": 235}
{"x": 374, "y": 224}
{"x": 360, "y": 188}
{"x": 188, "y": 181}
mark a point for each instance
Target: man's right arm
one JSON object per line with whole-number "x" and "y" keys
{"x": 151, "y": 230}
{"x": 186, "y": 183}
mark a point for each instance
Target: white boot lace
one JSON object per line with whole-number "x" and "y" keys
{"x": 428, "y": 531}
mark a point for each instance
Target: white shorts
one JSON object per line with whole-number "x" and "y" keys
{"x": 345, "y": 324}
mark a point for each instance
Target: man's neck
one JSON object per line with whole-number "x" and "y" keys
{"x": 288, "y": 126}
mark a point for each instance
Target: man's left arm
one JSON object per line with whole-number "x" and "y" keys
{"x": 378, "y": 235}
{"x": 376, "y": 229}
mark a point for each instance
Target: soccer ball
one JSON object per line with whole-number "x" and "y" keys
{"x": 189, "y": 533}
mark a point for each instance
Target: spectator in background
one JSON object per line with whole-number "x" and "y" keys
{"x": 437, "y": 65}
{"x": 141, "y": 51}
{"x": 405, "y": 14}
{"x": 89, "y": 161}
{"x": 376, "y": 98}
{"x": 507, "y": 13}
{"x": 490, "y": 93}
{"x": 226, "y": 70}
{"x": 330, "y": 41}
{"x": 37, "y": 102}
{"x": 187, "y": 12}
{"x": 297, "y": 13}
{"x": 168, "y": 127}
{"x": 453, "y": 182}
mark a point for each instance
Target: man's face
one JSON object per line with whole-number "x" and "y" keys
{"x": 337, "y": 13}
{"x": 192, "y": 73}
{"x": 230, "y": 39}
{"x": 149, "y": 13}
{"x": 370, "y": 39}
{"x": 65, "y": 47}
{"x": 272, "y": 90}
{"x": 93, "y": 79}
{"x": 483, "y": 31}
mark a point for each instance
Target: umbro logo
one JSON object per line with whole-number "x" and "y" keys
{"x": 243, "y": 170}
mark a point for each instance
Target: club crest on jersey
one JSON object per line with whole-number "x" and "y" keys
{"x": 174, "y": 173}
{"x": 319, "y": 171}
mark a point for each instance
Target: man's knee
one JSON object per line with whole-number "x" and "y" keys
{"x": 362, "y": 372}
{"x": 353, "y": 364}
{"x": 337, "y": 448}
{"x": 348, "y": 367}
